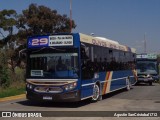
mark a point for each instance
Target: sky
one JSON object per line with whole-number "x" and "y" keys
{"x": 129, "y": 22}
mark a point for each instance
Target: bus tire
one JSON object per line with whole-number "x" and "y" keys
{"x": 96, "y": 93}
{"x": 150, "y": 83}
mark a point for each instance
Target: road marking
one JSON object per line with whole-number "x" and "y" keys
{"x": 12, "y": 98}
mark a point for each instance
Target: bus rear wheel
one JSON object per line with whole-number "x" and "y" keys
{"x": 96, "y": 93}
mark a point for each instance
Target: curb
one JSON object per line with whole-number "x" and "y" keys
{"x": 12, "y": 98}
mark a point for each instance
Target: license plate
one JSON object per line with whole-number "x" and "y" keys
{"x": 47, "y": 98}
{"x": 146, "y": 79}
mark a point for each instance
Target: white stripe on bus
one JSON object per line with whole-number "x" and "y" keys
{"x": 105, "y": 81}
{"x": 55, "y": 80}
{"x": 86, "y": 97}
{"x": 88, "y": 84}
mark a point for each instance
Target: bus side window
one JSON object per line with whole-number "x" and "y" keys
{"x": 83, "y": 55}
{"x": 87, "y": 70}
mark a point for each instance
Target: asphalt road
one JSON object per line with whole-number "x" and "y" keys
{"x": 139, "y": 98}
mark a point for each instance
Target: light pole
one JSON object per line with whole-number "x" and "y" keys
{"x": 70, "y": 16}
{"x": 145, "y": 43}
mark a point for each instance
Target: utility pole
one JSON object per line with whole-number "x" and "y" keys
{"x": 70, "y": 16}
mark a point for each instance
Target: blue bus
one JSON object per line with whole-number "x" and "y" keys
{"x": 147, "y": 68}
{"x": 75, "y": 66}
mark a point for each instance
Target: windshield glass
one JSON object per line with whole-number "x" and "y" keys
{"x": 147, "y": 67}
{"x": 53, "y": 65}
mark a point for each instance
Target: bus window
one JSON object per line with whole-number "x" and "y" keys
{"x": 87, "y": 70}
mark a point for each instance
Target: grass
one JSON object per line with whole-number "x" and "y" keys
{"x": 17, "y": 84}
{"x": 12, "y": 91}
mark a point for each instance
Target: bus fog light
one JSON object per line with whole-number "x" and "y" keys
{"x": 66, "y": 87}
{"x": 149, "y": 75}
{"x": 27, "y": 85}
{"x": 30, "y": 86}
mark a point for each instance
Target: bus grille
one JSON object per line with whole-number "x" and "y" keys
{"x": 48, "y": 83}
{"x": 48, "y": 89}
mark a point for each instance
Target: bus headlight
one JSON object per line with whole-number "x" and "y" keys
{"x": 149, "y": 76}
{"x": 70, "y": 86}
{"x": 29, "y": 86}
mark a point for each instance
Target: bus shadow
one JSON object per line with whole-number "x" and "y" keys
{"x": 55, "y": 104}
{"x": 144, "y": 84}
{"x": 109, "y": 95}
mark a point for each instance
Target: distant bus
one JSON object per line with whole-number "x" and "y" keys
{"x": 74, "y": 67}
{"x": 147, "y": 68}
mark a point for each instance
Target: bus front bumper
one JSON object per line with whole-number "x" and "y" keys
{"x": 71, "y": 96}
{"x": 145, "y": 80}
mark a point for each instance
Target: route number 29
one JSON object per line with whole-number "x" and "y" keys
{"x": 42, "y": 41}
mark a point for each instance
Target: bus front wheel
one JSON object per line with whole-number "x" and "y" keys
{"x": 96, "y": 93}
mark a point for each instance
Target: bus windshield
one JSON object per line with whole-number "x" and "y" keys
{"x": 53, "y": 65}
{"x": 147, "y": 67}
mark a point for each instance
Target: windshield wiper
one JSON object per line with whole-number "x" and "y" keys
{"x": 50, "y": 48}
{"x": 56, "y": 49}
{"x": 38, "y": 50}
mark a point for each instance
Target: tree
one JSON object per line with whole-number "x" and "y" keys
{"x": 42, "y": 20}
{"x": 4, "y": 73}
{"x": 36, "y": 20}
{"x": 7, "y": 38}
{"x": 7, "y": 23}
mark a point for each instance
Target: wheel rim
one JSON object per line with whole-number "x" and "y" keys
{"x": 96, "y": 92}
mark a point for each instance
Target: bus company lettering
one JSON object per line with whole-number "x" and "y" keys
{"x": 121, "y": 48}
{"x": 113, "y": 46}
{"x": 104, "y": 44}
{"x": 100, "y": 43}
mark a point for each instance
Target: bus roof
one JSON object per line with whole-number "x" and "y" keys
{"x": 59, "y": 38}
{"x": 101, "y": 41}
{"x": 106, "y": 39}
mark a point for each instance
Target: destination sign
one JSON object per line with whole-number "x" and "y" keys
{"x": 148, "y": 56}
{"x": 64, "y": 40}
{"x": 55, "y": 40}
